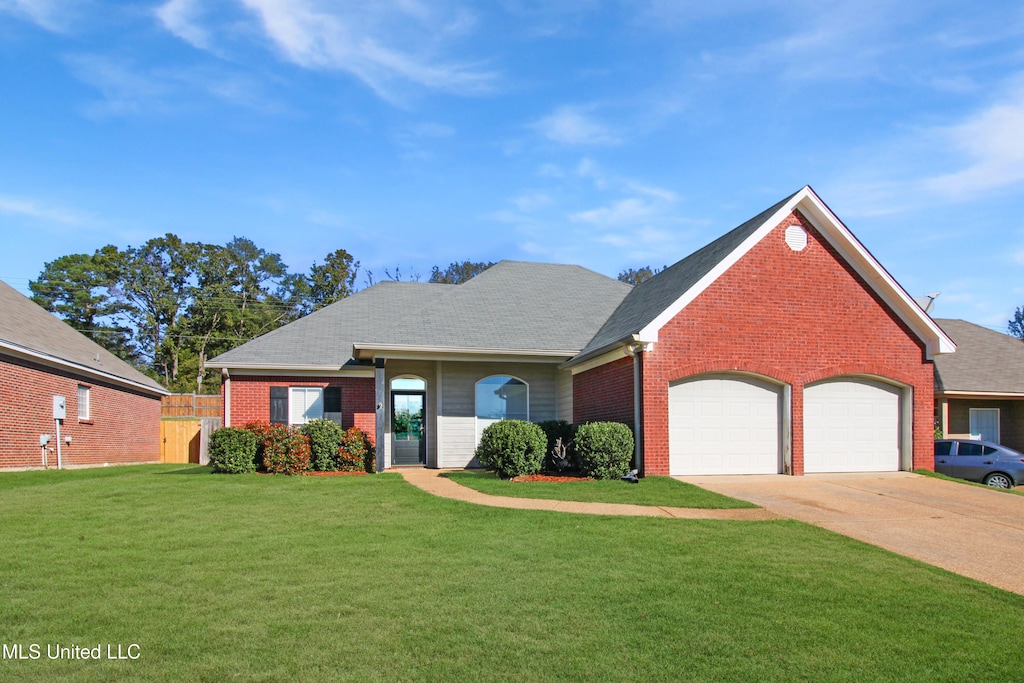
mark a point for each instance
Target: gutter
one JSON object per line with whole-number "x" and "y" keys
{"x": 81, "y": 369}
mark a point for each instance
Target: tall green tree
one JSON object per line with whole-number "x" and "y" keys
{"x": 458, "y": 272}
{"x": 331, "y": 281}
{"x": 636, "y": 276}
{"x": 1016, "y": 326}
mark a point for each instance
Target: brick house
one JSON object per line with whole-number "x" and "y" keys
{"x": 112, "y": 411}
{"x": 781, "y": 347}
{"x": 979, "y": 390}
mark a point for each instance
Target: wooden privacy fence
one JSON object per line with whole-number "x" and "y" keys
{"x": 185, "y": 439}
{"x": 190, "y": 405}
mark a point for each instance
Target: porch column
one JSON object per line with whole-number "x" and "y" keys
{"x": 381, "y": 403}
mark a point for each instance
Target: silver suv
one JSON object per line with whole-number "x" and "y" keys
{"x": 983, "y": 461}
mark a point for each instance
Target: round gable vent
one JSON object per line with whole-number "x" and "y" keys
{"x": 796, "y": 238}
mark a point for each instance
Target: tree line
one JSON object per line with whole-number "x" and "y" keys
{"x": 169, "y": 305}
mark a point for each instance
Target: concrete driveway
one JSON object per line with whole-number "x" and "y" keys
{"x": 973, "y": 531}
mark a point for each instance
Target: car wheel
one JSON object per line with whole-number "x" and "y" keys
{"x": 998, "y": 480}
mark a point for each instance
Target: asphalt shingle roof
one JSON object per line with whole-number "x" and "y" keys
{"x": 26, "y": 325}
{"x": 650, "y": 298}
{"x": 985, "y": 360}
{"x": 512, "y": 305}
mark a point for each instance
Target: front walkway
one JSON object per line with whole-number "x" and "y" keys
{"x": 431, "y": 481}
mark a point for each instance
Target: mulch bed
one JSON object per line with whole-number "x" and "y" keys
{"x": 333, "y": 474}
{"x": 550, "y": 477}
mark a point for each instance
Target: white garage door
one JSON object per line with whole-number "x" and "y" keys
{"x": 851, "y": 425}
{"x": 724, "y": 425}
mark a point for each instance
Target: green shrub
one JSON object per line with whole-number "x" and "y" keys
{"x": 512, "y": 448}
{"x": 233, "y": 450}
{"x": 555, "y": 430}
{"x": 325, "y": 438}
{"x": 262, "y": 432}
{"x": 285, "y": 450}
{"x": 604, "y": 449}
{"x": 356, "y": 453}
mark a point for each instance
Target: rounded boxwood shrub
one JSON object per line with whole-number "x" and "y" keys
{"x": 325, "y": 438}
{"x": 233, "y": 450}
{"x": 512, "y": 448}
{"x": 604, "y": 449}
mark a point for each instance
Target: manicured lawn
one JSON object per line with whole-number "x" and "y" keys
{"x": 274, "y": 578}
{"x": 661, "y": 491}
{"x": 1018, "y": 491}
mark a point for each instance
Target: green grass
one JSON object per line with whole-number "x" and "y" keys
{"x": 1018, "y": 491}
{"x": 270, "y": 578}
{"x": 660, "y": 491}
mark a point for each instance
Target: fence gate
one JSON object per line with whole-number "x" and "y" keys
{"x": 180, "y": 440}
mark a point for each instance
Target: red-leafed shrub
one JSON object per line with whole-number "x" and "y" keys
{"x": 283, "y": 450}
{"x": 356, "y": 453}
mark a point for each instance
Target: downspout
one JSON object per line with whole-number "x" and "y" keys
{"x": 380, "y": 398}
{"x": 636, "y": 350}
{"x": 226, "y": 382}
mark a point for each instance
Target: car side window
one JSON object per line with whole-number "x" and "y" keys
{"x": 988, "y": 450}
{"x": 970, "y": 448}
{"x": 942, "y": 447}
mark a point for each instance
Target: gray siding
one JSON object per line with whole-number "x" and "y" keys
{"x": 425, "y": 370}
{"x": 457, "y": 421}
{"x": 564, "y": 395}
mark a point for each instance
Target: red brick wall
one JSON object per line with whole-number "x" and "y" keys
{"x": 124, "y": 427}
{"x": 793, "y": 316}
{"x": 250, "y": 398}
{"x": 604, "y": 393}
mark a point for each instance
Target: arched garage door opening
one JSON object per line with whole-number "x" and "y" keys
{"x": 725, "y": 424}
{"x": 851, "y": 424}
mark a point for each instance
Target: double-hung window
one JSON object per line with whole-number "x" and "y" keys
{"x": 299, "y": 405}
{"x": 84, "y": 409}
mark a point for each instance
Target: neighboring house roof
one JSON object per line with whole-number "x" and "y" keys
{"x": 653, "y": 303}
{"x": 27, "y": 330}
{"x": 511, "y": 308}
{"x": 985, "y": 362}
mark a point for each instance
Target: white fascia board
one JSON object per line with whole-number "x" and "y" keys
{"x": 611, "y": 356}
{"x": 650, "y": 332}
{"x": 989, "y": 395}
{"x": 54, "y": 362}
{"x": 298, "y": 371}
{"x": 412, "y": 352}
{"x": 884, "y": 284}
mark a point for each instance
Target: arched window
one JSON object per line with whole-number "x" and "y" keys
{"x": 501, "y": 398}
{"x": 408, "y": 384}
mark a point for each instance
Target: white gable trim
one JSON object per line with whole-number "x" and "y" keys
{"x": 840, "y": 237}
{"x": 77, "y": 368}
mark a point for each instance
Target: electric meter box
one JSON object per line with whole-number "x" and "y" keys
{"x": 60, "y": 411}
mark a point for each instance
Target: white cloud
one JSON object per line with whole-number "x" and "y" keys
{"x": 623, "y": 212}
{"x": 388, "y": 44}
{"x": 532, "y": 201}
{"x": 571, "y": 126}
{"x": 30, "y": 208}
{"x": 52, "y": 15}
{"x": 993, "y": 141}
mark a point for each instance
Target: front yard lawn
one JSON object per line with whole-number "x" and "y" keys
{"x": 659, "y": 491}
{"x": 1018, "y": 491}
{"x": 273, "y": 578}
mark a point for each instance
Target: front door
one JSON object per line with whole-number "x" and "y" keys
{"x": 408, "y": 438}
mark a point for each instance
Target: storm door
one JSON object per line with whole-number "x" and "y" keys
{"x": 408, "y": 426}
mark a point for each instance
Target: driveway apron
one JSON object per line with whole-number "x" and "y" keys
{"x": 973, "y": 531}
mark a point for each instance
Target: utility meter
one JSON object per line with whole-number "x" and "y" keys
{"x": 60, "y": 411}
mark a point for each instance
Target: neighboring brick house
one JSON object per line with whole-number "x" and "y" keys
{"x": 112, "y": 411}
{"x": 783, "y": 346}
{"x": 979, "y": 390}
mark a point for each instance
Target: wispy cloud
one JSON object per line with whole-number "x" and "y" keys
{"x": 129, "y": 90}
{"x": 993, "y": 142}
{"x": 387, "y": 45}
{"x": 53, "y": 15}
{"x": 31, "y": 208}
{"x": 574, "y": 126}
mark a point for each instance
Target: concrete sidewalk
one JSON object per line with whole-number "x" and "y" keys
{"x": 973, "y": 531}
{"x": 431, "y": 481}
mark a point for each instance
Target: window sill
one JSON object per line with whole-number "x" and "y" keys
{"x": 85, "y": 422}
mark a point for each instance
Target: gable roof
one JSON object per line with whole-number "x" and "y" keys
{"x": 653, "y": 303}
{"x": 29, "y": 331}
{"x": 512, "y": 308}
{"x": 985, "y": 362}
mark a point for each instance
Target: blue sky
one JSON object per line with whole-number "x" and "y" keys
{"x": 607, "y": 134}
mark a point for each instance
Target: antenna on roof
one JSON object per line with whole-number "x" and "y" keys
{"x": 930, "y": 303}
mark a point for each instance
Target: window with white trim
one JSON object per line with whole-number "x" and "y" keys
{"x": 84, "y": 395}
{"x": 305, "y": 404}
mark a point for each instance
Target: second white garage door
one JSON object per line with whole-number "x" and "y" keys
{"x": 724, "y": 424}
{"x": 851, "y": 425}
